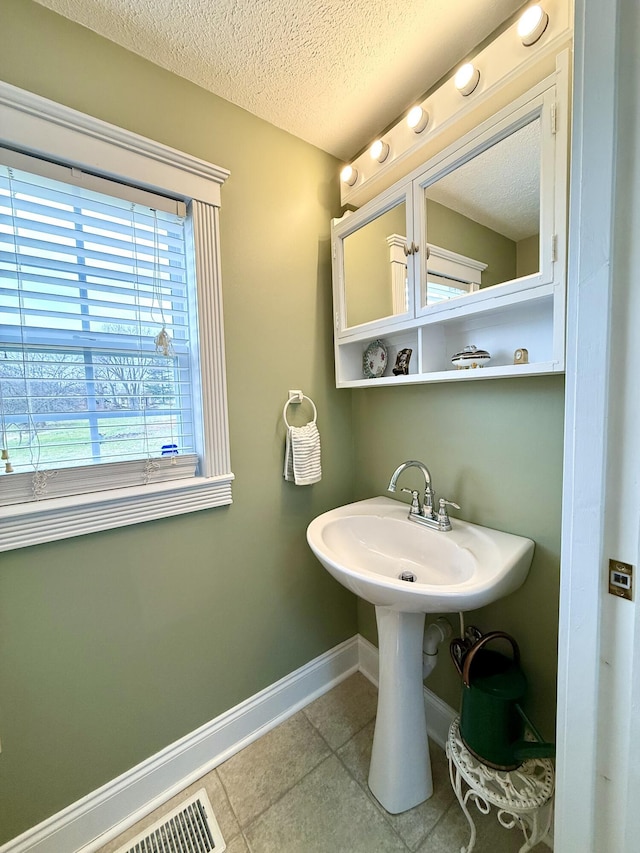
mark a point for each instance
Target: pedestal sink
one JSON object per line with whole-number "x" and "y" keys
{"x": 367, "y": 546}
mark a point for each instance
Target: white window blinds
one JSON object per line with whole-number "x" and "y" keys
{"x": 97, "y": 319}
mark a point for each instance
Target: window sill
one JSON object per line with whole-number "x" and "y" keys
{"x": 61, "y": 518}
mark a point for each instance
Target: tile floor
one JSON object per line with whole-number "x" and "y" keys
{"x": 302, "y": 788}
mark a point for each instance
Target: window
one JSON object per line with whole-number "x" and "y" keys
{"x": 112, "y": 394}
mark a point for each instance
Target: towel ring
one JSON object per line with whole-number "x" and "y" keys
{"x": 297, "y": 400}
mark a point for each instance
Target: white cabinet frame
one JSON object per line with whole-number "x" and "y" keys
{"x": 526, "y": 312}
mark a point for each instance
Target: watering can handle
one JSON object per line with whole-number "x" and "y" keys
{"x": 457, "y": 649}
{"x": 486, "y": 638}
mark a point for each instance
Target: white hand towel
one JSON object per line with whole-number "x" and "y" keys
{"x": 302, "y": 455}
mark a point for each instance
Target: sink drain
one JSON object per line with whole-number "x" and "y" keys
{"x": 408, "y": 576}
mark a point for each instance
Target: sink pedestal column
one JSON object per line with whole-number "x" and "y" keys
{"x": 400, "y": 771}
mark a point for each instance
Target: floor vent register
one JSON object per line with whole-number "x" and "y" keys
{"x": 189, "y": 828}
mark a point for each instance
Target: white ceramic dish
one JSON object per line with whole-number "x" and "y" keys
{"x": 470, "y": 356}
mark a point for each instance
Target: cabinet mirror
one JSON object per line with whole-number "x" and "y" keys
{"x": 482, "y": 218}
{"x": 375, "y": 268}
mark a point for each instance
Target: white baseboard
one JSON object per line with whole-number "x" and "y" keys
{"x": 101, "y": 816}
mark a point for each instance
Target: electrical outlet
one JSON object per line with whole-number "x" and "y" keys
{"x": 621, "y": 579}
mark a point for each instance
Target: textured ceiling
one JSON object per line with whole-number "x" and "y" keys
{"x": 332, "y": 72}
{"x": 500, "y": 188}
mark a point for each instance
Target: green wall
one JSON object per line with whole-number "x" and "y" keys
{"x": 528, "y": 255}
{"x": 116, "y": 644}
{"x": 367, "y": 268}
{"x": 495, "y": 448}
{"x": 451, "y": 230}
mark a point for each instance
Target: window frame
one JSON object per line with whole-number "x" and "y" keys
{"x": 45, "y": 129}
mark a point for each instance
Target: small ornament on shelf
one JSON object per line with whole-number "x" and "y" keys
{"x": 402, "y": 362}
{"x": 470, "y": 357}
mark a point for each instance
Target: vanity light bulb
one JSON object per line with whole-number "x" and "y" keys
{"x": 349, "y": 175}
{"x": 379, "y": 151}
{"x": 467, "y": 78}
{"x": 417, "y": 119}
{"x": 532, "y": 24}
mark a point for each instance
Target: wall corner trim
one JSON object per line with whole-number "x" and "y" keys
{"x": 102, "y": 815}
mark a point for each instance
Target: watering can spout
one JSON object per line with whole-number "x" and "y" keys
{"x": 525, "y": 749}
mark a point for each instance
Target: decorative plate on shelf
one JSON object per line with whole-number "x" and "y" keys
{"x": 374, "y": 360}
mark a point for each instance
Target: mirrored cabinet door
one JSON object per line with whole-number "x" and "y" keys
{"x": 374, "y": 265}
{"x": 486, "y": 214}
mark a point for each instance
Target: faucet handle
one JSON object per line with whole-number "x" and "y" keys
{"x": 443, "y": 515}
{"x": 415, "y": 501}
{"x": 444, "y": 502}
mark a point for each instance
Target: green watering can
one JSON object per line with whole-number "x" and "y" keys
{"x": 492, "y": 722}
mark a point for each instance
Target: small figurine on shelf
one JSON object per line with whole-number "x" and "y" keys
{"x": 470, "y": 357}
{"x": 402, "y": 362}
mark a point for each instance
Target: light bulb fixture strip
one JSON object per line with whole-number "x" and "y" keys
{"x": 528, "y": 29}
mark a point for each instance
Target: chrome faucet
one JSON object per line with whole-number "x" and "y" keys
{"x": 426, "y": 510}
{"x": 423, "y": 514}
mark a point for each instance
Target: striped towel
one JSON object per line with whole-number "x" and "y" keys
{"x": 302, "y": 455}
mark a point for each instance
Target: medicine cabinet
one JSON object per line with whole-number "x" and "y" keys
{"x": 469, "y": 249}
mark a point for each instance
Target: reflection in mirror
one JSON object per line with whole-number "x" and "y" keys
{"x": 488, "y": 211}
{"x": 375, "y": 269}
{"x": 451, "y": 274}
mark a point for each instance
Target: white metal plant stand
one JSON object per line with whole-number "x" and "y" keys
{"x": 522, "y": 797}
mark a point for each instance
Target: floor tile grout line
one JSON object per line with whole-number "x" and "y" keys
{"x": 332, "y": 751}
{"x": 228, "y": 798}
{"x": 385, "y": 814}
{"x": 246, "y": 841}
{"x": 442, "y": 817}
{"x": 246, "y": 824}
{"x": 351, "y": 736}
{"x": 318, "y": 732}
{"x": 370, "y": 796}
{"x": 283, "y": 794}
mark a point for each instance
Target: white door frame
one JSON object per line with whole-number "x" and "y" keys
{"x": 580, "y": 816}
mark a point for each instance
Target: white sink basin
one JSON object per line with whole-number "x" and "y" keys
{"x": 368, "y": 544}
